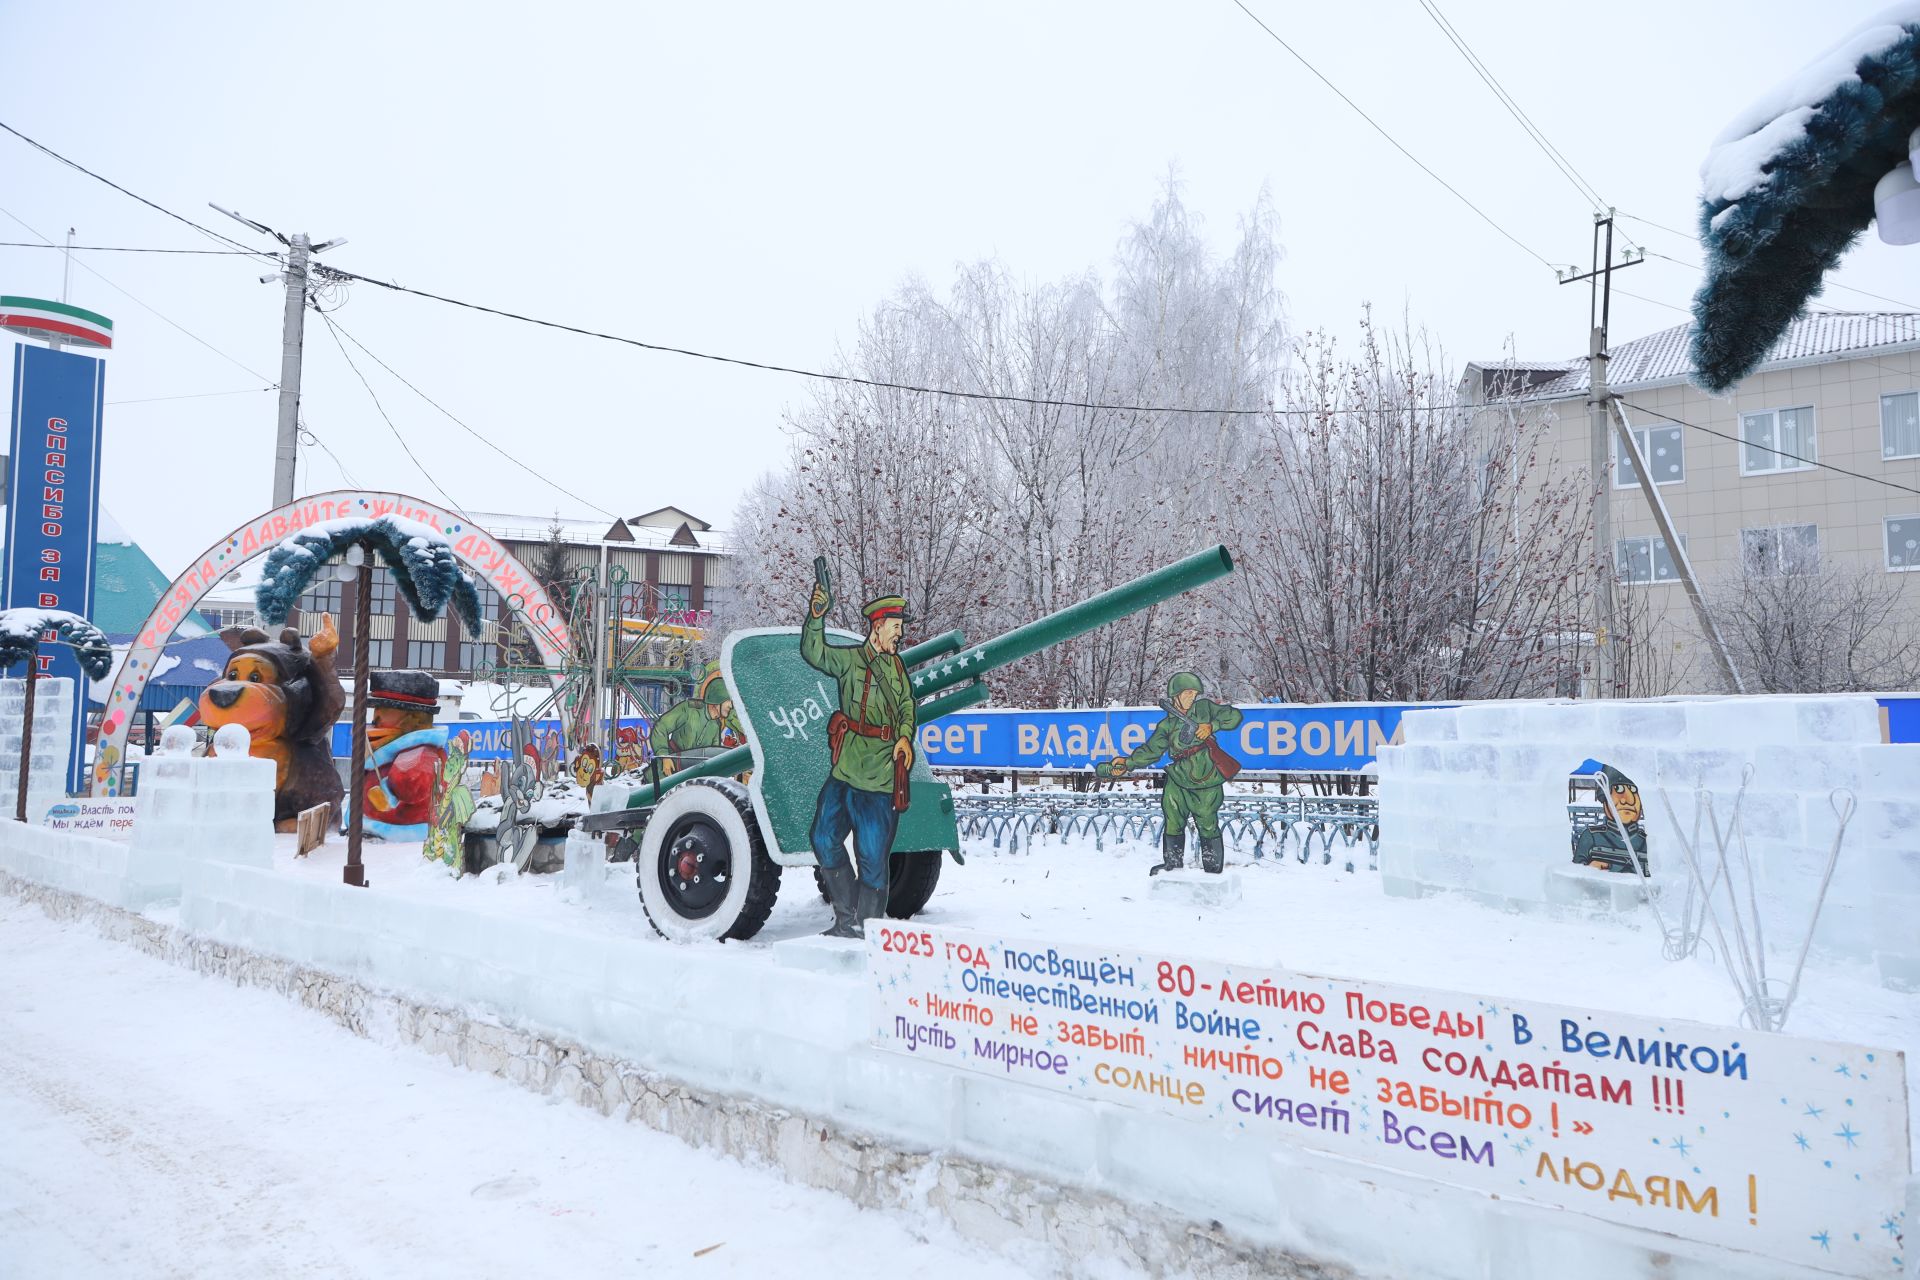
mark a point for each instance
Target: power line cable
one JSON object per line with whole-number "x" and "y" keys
{"x": 846, "y": 378}
{"x": 309, "y": 434}
{"x": 115, "y": 248}
{"x": 1811, "y": 462}
{"x": 197, "y": 395}
{"x": 550, "y": 483}
{"x": 74, "y": 164}
{"x": 1587, "y": 190}
{"x": 404, "y": 447}
{"x": 170, "y": 320}
{"x": 1298, "y": 57}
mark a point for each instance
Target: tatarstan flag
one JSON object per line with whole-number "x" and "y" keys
{"x": 55, "y": 322}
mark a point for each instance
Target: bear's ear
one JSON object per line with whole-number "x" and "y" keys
{"x": 241, "y": 637}
{"x": 290, "y": 637}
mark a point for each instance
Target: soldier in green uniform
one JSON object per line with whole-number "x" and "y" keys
{"x": 871, "y": 738}
{"x": 692, "y": 725}
{"x": 1598, "y": 844}
{"x": 1198, "y": 769}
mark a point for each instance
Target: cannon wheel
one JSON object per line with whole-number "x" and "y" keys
{"x": 911, "y": 879}
{"x": 702, "y": 868}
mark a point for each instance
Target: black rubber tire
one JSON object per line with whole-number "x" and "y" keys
{"x": 740, "y": 914}
{"x": 911, "y": 880}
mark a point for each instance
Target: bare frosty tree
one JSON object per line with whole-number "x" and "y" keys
{"x": 1798, "y": 624}
{"x": 1393, "y": 550}
{"x": 988, "y": 512}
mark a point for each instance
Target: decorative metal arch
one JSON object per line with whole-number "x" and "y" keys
{"x": 490, "y": 561}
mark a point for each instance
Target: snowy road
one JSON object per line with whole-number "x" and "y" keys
{"x": 157, "y": 1123}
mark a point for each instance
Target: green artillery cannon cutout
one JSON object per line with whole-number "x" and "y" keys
{"x": 708, "y": 849}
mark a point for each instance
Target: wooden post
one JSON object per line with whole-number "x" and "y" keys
{"x": 26, "y": 733}
{"x": 355, "y": 873}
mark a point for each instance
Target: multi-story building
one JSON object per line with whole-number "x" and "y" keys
{"x": 1756, "y": 481}
{"x": 663, "y": 564}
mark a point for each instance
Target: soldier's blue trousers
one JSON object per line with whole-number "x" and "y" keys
{"x": 868, "y": 815}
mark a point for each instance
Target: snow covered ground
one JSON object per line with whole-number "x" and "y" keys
{"x": 1310, "y": 918}
{"x": 157, "y": 1123}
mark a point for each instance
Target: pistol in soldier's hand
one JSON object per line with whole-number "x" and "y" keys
{"x": 817, "y": 606}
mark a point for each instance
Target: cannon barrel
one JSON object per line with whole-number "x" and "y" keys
{"x": 938, "y": 646}
{"x": 1109, "y": 606}
{"x": 1076, "y": 620}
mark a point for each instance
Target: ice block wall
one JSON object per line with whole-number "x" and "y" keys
{"x": 1475, "y": 801}
{"x": 52, "y": 740}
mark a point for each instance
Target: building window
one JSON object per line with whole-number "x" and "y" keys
{"x": 323, "y": 596}
{"x": 1776, "y": 440}
{"x": 1780, "y": 551}
{"x": 1900, "y": 425}
{"x": 223, "y": 618}
{"x": 676, "y": 599}
{"x": 475, "y": 655}
{"x": 1903, "y": 542}
{"x": 427, "y": 655}
{"x": 1639, "y": 561}
{"x": 1662, "y": 450}
{"x": 380, "y": 655}
{"x": 384, "y": 591}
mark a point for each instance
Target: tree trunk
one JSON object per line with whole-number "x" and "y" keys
{"x": 26, "y": 734}
{"x": 356, "y": 874}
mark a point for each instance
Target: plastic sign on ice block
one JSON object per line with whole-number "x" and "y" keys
{"x": 1796, "y": 1149}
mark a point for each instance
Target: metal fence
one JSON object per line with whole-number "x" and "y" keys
{"x": 1274, "y": 825}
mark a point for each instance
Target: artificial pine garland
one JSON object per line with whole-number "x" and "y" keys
{"x": 425, "y": 570}
{"x": 1769, "y": 248}
{"x": 21, "y": 629}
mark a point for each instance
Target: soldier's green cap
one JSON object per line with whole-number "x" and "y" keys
{"x": 716, "y": 693}
{"x": 887, "y": 607}
{"x": 1181, "y": 682}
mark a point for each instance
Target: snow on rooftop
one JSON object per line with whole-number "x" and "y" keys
{"x": 1661, "y": 357}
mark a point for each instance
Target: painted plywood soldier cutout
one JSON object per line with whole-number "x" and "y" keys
{"x": 693, "y": 725}
{"x": 1598, "y": 844}
{"x": 871, "y": 738}
{"x": 1198, "y": 770}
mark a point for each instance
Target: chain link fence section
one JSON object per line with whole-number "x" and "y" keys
{"x": 1274, "y": 825}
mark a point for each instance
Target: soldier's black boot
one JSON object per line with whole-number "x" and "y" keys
{"x": 1173, "y": 853}
{"x": 842, "y": 888}
{"x": 1213, "y": 854}
{"x": 870, "y": 905}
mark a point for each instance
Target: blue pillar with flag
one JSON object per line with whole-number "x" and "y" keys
{"x": 53, "y": 481}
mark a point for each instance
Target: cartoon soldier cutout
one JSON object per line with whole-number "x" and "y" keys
{"x": 1598, "y": 844}
{"x": 693, "y": 725}
{"x": 1198, "y": 770}
{"x": 871, "y": 740}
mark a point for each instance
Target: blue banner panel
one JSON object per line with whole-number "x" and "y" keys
{"x": 1332, "y": 737}
{"x": 488, "y": 739}
{"x": 53, "y": 504}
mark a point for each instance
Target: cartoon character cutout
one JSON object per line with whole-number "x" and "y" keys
{"x": 628, "y": 754}
{"x": 586, "y": 769}
{"x": 1618, "y": 840}
{"x": 406, "y": 753}
{"x": 453, "y": 804}
{"x": 287, "y": 697}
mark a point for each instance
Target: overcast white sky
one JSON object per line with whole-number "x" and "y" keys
{"x": 751, "y": 178}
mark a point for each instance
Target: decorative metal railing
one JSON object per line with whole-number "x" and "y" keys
{"x": 1267, "y": 826}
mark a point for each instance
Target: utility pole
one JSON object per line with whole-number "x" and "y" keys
{"x": 1599, "y": 427}
{"x": 293, "y": 328}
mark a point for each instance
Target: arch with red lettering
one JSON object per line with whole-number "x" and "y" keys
{"x": 490, "y": 561}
